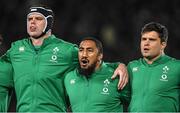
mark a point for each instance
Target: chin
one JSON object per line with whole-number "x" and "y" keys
{"x": 146, "y": 55}
{"x": 33, "y": 34}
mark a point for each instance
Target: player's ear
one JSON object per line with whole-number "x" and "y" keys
{"x": 100, "y": 57}
{"x": 163, "y": 45}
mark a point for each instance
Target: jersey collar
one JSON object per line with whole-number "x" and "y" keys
{"x": 162, "y": 59}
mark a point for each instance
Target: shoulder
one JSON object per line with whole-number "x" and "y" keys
{"x": 68, "y": 49}
{"x": 5, "y": 65}
{"x": 19, "y": 42}
{"x": 174, "y": 61}
{"x": 65, "y": 46}
{"x": 70, "y": 74}
{"x": 62, "y": 42}
{"x": 135, "y": 62}
{"x": 105, "y": 69}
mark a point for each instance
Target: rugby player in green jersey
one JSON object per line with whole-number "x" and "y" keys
{"x": 155, "y": 78}
{"x": 6, "y": 84}
{"x": 89, "y": 86}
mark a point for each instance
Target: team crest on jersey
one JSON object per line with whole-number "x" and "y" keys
{"x": 164, "y": 76}
{"x": 105, "y": 89}
{"x": 54, "y": 54}
{"x": 21, "y": 49}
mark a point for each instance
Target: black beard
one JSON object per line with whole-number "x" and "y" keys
{"x": 87, "y": 72}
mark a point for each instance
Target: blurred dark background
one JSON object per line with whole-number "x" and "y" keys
{"x": 117, "y": 23}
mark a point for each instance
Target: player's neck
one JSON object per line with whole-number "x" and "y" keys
{"x": 39, "y": 41}
{"x": 151, "y": 60}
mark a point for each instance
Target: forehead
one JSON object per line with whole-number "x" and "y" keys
{"x": 151, "y": 34}
{"x": 35, "y": 14}
{"x": 88, "y": 43}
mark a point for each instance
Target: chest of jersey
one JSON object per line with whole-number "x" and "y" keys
{"x": 155, "y": 79}
{"x": 46, "y": 62}
{"x": 96, "y": 94}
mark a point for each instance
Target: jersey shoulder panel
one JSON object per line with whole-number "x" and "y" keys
{"x": 18, "y": 42}
{"x": 70, "y": 74}
{"x": 137, "y": 62}
{"x": 64, "y": 43}
{"x": 66, "y": 47}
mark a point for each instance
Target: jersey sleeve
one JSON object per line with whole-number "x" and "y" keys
{"x": 129, "y": 68}
{"x": 75, "y": 55}
{"x": 6, "y": 83}
{"x": 6, "y": 80}
{"x": 113, "y": 65}
{"x": 73, "y": 58}
{"x": 126, "y": 94}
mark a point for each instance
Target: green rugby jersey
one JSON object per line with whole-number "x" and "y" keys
{"x": 6, "y": 82}
{"x": 96, "y": 94}
{"x": 155, "y": 87}
{"x": 39, "y": 73}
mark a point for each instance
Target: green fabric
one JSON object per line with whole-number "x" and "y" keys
{"x": 6, "y": 82}
{"x": 155, "y": 87}
{"x": 37, "y": 48}
{"x": 38, "y": 76}
{"x": 87, "y": 95}
{"x": 3, "y": 101}
{"x": 114, "y": 65}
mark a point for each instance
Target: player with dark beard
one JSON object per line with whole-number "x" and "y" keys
{"x": 90, "y": 87}
{"x": 85, "y": 69}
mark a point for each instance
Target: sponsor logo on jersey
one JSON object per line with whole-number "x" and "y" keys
{"x": 135, "y": 69}
{"x": 54, "y": 54}
{"x": 72, "y": 81}
{"x": 21, "y": 49}
{"x": 164, "y": 76}
{"x": 105, "y": 89}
